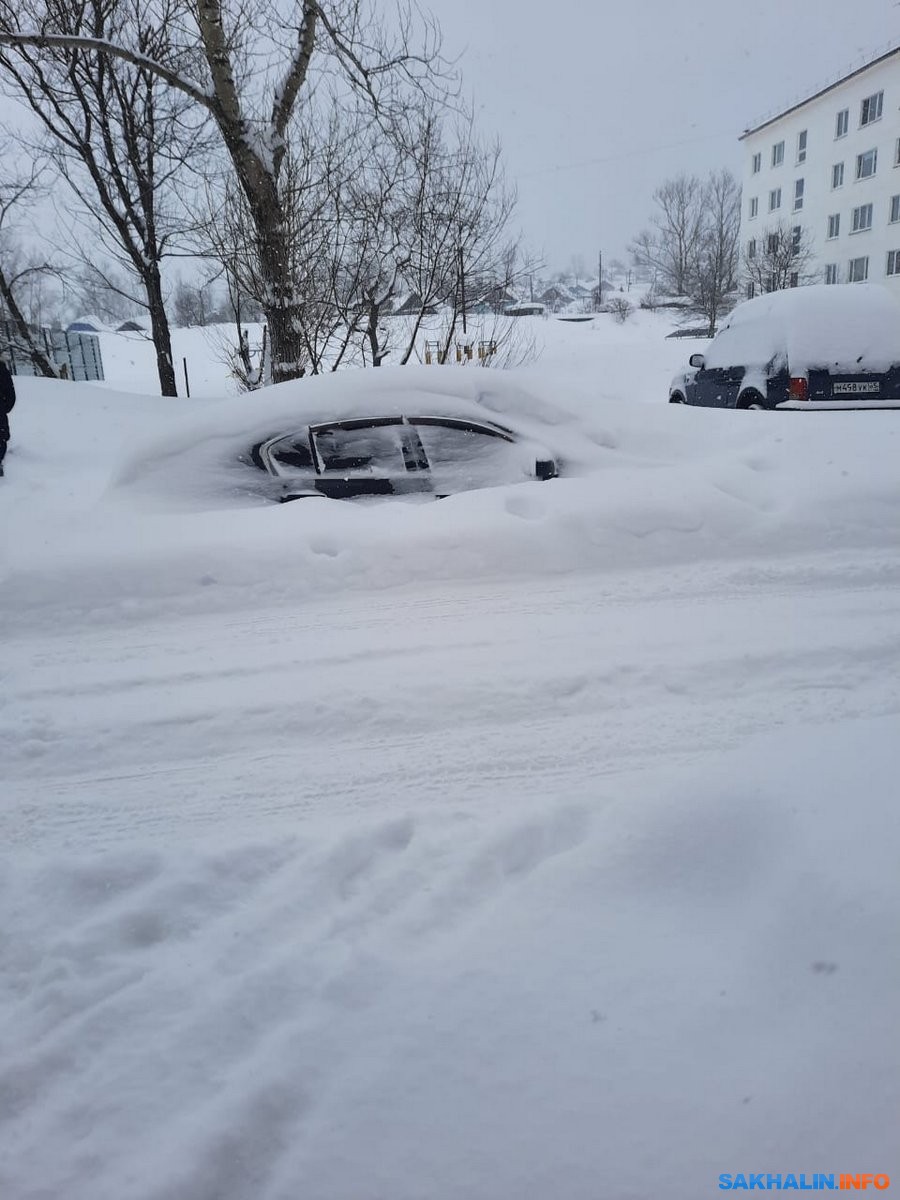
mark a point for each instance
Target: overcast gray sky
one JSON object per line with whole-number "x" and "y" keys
{"x": 632, "y": 91}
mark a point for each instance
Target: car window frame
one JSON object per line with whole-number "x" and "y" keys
{"x": 268, "y": 453}
{"x": 466, "y": 425}
{"x": 416, "y": 461}
{"x": 419, "y": 457}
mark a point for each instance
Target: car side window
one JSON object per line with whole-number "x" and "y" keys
{"x": 292, "y": 453}
{"x": 450, "y": 445}
{"x": 369, "y": 449}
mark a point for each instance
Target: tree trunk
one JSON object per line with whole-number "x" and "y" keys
{"x": 283, "y": 312}
{"x": 159, "y": 329}
{"x": 42, "y": 364}
{"x": 378, "y": 356}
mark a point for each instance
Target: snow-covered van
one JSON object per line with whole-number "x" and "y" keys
{"x": 825, "y": 346}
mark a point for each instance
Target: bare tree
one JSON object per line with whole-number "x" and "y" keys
{"x": 254, "y": 77}
{"x": 781, "y": 256}
{"x": 458, "y": 213}
{"x": 577, "y": 267}
{"x": 116, "y": 135}
{"x": 194, "y": 303}
{"x": 104, "y": 290}
{"x": 713, "y": 268}
{"x": 19, "y": 270}
{"x": 668, "y": 248}
{"x": 621, "y": 309}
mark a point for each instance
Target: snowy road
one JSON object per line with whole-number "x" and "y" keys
{"x": 418, "y": 698}
{"x": 539, "y": 843}
{"x": 455, "y": 895}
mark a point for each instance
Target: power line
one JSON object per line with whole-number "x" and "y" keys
{"x": 644, "y": 153}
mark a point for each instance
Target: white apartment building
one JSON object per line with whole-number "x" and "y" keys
{"x": 830, "y": 166}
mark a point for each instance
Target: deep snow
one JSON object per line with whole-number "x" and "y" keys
{"x": 538, "y": 842}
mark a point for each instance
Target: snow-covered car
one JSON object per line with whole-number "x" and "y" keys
{"x": 396, "y": 456}
{"x": 818, "y": 347}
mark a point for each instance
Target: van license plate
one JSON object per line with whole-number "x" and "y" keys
{"x": 855, "y": 389}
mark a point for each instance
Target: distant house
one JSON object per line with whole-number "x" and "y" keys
{"x": 556, "y": 297}
{"x": 130, "y": 327}
{"x": 525, "y": 308}
{"x": 582, "y": 291}
{"x": 86, "y": 325}
{"x": 409, "y": 304}
{"x": 495, "y": 299}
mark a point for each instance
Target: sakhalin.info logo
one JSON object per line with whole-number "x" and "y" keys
{"x": 803, "y": 1183}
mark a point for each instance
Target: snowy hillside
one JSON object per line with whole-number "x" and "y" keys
{"x": 537, "y": 842}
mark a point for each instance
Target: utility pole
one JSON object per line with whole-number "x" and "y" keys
{"x": 462, "y": 287}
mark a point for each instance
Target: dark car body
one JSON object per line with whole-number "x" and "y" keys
{"x": 398, "y": 456}
{"x": 821, "y": 347}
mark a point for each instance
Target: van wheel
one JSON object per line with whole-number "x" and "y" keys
{"x": 751, "y": 400}
{"x": 676, "y": 398}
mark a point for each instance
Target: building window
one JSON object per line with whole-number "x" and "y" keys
{"x": 754, "y": 206}
{"x": 871, "y": 109}
{"x": 842, "y": 123}
{"x": 837, "y": 175}
{"x": 831, "y": 272}
{"x": 834, "y": 225}
{"x": 866, "y": 164}
{"x": 893, "y": 263}
{"x": 798, "y": 194}
{"x": 795, "y": 279}
{"x": 751, "y": 290}
{"x": 751, "y": 248}
{"x": 757, "y": 163}
{"x": 771, "y": 282}
{"x": 801, "y": 147}
{"x": 774, "y": 199}
{"x": 772, "y": 243}
{"x": 858, "y": 270}
{"x": 796, "y": 237}
{"x": 862, "y": 218}
{"x": 778, "y": 154}
{"x": 895, "y": 209}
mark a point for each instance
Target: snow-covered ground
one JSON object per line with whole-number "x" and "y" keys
{"x": 539, "y": 842}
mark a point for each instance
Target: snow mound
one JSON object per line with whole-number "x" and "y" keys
{"x": 120, "y": 507}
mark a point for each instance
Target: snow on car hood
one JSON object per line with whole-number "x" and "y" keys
{"x": 854, "y": 326}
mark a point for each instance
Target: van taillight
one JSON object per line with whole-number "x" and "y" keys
{"x": 798, "y": 388}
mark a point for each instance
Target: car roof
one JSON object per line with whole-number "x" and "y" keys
{"x": 456, "y": 421}
{"x": 819, "y": 325}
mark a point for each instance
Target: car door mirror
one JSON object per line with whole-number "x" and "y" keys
{"x": 698, "y": 361}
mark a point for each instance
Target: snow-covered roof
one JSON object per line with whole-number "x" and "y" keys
{"x": 524, "y": 307}
{"x": 88, "y": 324}
{"x": 770, "y": 120}
{"x": 819, "y": 325}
